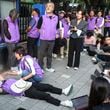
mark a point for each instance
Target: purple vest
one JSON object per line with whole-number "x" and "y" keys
{"x": 107, "y": 24}
{"x": 99, "y": 21}
{"x": 14, "y": 31}
{"x": 66, "y": 27}
{"x": 23, "y": 66}
{"x": 7, "y": 87}
{"x": 0, "y": 38}
{"x": 91, "y": 23}
{"x": 33, "y": 33}
{"x": 48, "y": 29}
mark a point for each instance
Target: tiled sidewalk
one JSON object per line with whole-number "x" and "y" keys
{"x": 62, "y": 77}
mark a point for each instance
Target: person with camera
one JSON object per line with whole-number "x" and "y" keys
{"x": 79, "y": 28}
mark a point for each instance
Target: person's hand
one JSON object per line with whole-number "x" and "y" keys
{"x": 74, "y": 29}
{"x": 57, "y": 36}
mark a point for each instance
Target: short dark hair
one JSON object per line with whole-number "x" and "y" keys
{"x": 37, "y": 11}
{"x": 83, "y": 12}
{"x": 100, "y": 91}
{"x": 21, "y": 109}
{"x": 12, "y": 12}
{"x": 20, "y": 50}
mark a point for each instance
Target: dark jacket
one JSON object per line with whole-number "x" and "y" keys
{"x": 81, "y": 26}
{"x": 105, "y": 106}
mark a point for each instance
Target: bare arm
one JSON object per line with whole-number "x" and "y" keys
{"x": 28, "y": 76}
{"x": 10, "y": 72}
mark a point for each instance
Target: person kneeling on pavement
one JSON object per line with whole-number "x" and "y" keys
{"x": 104, "y": 53}
{"x": 33, "y": 90}
{"x": 28, "y": 67}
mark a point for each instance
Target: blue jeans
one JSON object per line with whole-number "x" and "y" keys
{"x": 35, "y": 78}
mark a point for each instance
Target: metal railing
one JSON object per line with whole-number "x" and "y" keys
{"x": 25, "y": 16}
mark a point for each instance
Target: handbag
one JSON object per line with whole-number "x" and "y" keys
{"x": 20, "y": 86}
{"x": 81, "y": 103}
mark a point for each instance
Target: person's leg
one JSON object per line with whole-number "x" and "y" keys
{"x": 109, "y": 32}
{"x": 25, "y": 73}
{"x": 56, "y": 49}
{"x": 49, "y": 53}
{"x": 30, "y": 45}
{"x": 77, "y": 52}
{"x": 36, "y": 94}
{"x": 35, "y": 47}
{"x": 42, "y": 52}
{"x": 32, "y": 92}
{"x": 11, "y": 57}
{"x": 47, "y": 88}
{"x": 105, "y": 31}
{"x": 71, "y": 52}
{"x": 105, "y": 58}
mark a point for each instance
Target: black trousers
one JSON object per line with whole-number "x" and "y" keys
{"x": 102, "y": 57}
{"x": 38, "y": 91}
{"x": 32, "y": 47}
{"x": 45, "y": 49}
{"x": 12, "y": 61}
{"x": 75, "y": 47}
{"x": 106, "y": 30}
{"x": 58, "y": 44}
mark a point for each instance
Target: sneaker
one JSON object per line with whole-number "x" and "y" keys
{"x": 76, "y": 68}
{"x": 54, "y": 55}
{"x": 50, "y": 70}
{"x": 67, "y": 90}
{"x": 62, "y": 56}
{"x": 67, "y": 103}
{"x": 94, "y": 59}
{"x": 67, "y": 67}
{"x": 59, "y": 59}
{"x": 66, "y": 55}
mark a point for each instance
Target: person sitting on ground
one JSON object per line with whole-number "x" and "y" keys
{"x": 28, "y": 67}
{"x": 33, "y": 90}
{"x": 103, "y": 55}
{"x": 99, "y": 98}
{"x": 89, "y": 40}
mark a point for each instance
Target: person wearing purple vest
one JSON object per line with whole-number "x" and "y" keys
{"x": 33, "y": 34}
{"x": 61, "y": 42}
{"x": 99, "y": 23}
{"x": 34, "y": 90}
{"x": 28, "y": 67}
{"x": 91, "y": 21}
{"x": 47, "y": 26}
{"x": 107, "y": 25}
{"x": 11, "y": 35}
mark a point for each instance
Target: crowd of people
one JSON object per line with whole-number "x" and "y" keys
{"x": 57, "y": 35}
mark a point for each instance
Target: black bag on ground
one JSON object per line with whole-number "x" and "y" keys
{"x": 81, "y": 103}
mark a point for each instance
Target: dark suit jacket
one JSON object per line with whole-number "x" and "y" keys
{"x": 81, "y": 26}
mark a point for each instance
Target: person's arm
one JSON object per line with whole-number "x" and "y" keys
{"x": 11, "y": 72}
{"x": 102, "y": 23}
{"x": 30, "y": 64}
{"x": 5, "y": 28}
{"x": 39, "y": 24}
{"x": 31, "y": 24}
{"x": 81, "y": 32}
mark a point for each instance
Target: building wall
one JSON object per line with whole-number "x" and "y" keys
{"x": 6, "y": 6}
